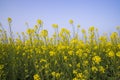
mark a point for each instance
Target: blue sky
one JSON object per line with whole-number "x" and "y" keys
{"x": 103, "y": 14}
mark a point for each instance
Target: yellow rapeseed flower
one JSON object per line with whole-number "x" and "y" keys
{"x": 83, "y": 31}
{"x": 85, "y": 55}
{"x": 75, "y": 78}
{"x": 114, "y": 35}
{"x": 71, "y": 21}
{"x": 53, "y": 74}
{"x": 55, "y": 25}
{"x": 65, "y": 31}
{"x": 96, "y": 59}
{"x": 9, "y": 20}
{"x": 80, "y": 75}
{"x": 70, "y": 65}
{"x": 36, "y": 77}
{"x": 101, "y": 69}
{"x": 70, "y": 53}
{"x": 94, "y": 69}
{"x": 118, "y": 54}
{"x": 85, "y": 63}
{"x": 1, "y": 67}
{"x": 79, "y": 52}
{"x": 44, "y": 33}
{"x": 74, "y": 71}
{"x": 52, "y": 53}
{"x": 30, "y": 31}
{"x": 111, "y": 54}
{"x": 65, "y": 58}
{"x": 74, "y": 41}
{"x": 78, "y": 65}
{"x": 42, "y": 60}
{"x": 118, "y": 46}
{"x": 57, "y": 75}
{"x": 92, "y": 28}
{"x": 39, "y": 22}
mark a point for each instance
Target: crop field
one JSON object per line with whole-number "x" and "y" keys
{"x": 66, "y": 55}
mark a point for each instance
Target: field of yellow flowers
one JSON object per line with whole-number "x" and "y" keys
{"x": 66, "y": 55}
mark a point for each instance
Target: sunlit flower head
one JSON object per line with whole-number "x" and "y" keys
{"x": 96, "y": 59}
{"x": 85, "y": 63}
{"x": 65, "y": 58}
{"x": 70, "y": 52}
{"x": 44, "y": 33}
{"x": 94, "y": 69}
{"x": 118, "y": 54}
{"x": 51, "y": 53}
{"x": 80, "y": 76}
{"x": 1, "y": 67}
{"x": 39, "y": 22}
{"x": 9, "y": 20}
{"x": 114, "y": 35}
{"x": 83, "y": 31}
{"x": 36, "y": 77}
{"x": 71, "y": 21}
{"x": 92, "y": 28}
{"x": 30, "y": 31}
{"x": 111, "y": 54}
{"x": 55, "y": 25}
{"x": 101, "y": 69}
{"x": 78, "y": 65}
{"x": 74, "y": 71}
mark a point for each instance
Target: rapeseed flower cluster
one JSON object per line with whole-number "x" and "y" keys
{"x": 36, "y": 77}
{"x": 66, "y": 55}
{"x": 96, "y": 59}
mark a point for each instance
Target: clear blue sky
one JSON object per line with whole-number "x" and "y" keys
{"x": 103, "y": 14}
